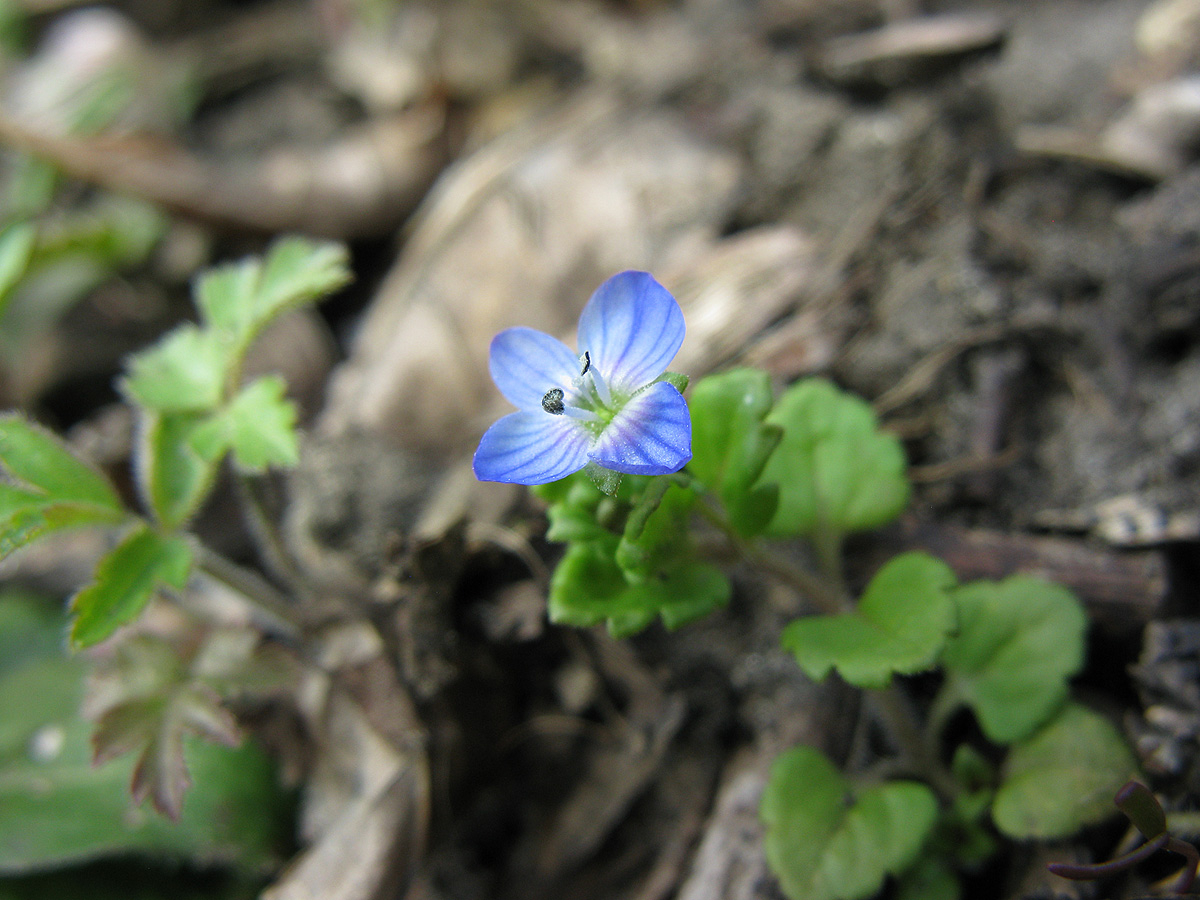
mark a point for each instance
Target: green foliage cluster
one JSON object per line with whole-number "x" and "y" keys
{"x": 194, "y": 410}
{"x": 813, "y": 465}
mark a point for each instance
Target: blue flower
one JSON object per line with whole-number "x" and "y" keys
{"x": 603, "y": 405}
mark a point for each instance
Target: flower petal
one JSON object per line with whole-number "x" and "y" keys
{"x": 652, "y": 435}
{"x": 633, "y": 328}
{"x": 531, "y": 448}
{"x": 526, "y": 363}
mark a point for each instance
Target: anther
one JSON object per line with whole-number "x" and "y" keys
{"x": 552, "y": 401}
{"x": 587, "y": 363}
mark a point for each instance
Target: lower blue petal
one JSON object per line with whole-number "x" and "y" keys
{"x": 531, "y": 448}
{"x": 652, "y": 435}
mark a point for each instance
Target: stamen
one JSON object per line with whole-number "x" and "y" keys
{"x": 578, "y": 412}
{"x": 552, "y": 401}
{"x": 586, "y": 359}
{"x": 602, "y": 392}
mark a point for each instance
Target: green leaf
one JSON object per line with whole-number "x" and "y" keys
{"x": 823, "y": 846}
{"x": 834, "y": 468}
{"x": 52, "y": 490}
{"x": 588, "y": 587}
{"x": 41, "y": 461}
{"x": 258, "y": 425}
{"x": 900, "y": 626}
{"x": 929, "y": 879}
{"x": 1018, "y": 641}
{"x": 731, "y": 445}
{"x": 125, "y": 581}
{"x": 656, "y": 534}
{"x": 1063, "y": 777}
{"x": 173, "y": 478}
{"x": 240, "y": 299}
{"x": 17, "y": 241}
{"x": 184, "y": 372}
{"x": 30, "y": 627}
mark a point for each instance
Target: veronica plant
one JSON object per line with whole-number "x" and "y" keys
{"x": 809, "y": 467}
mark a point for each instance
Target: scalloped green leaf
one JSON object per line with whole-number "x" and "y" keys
{"x": 184, "y": 372}
{"x": 835, "y": 469}
{"x": 588, "y": 588}
{"x": 899, "y": 627}
{"x": 1018, "y": 642}
{"x": 258, "y": 426}
{"x": 125, "y": 581}
{"x": 731, "y": 444}
{"x": 824, "y": 844}
{"x": 1063, "y": 777}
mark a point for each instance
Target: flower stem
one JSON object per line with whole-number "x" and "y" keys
{"x": 802, "y": 581}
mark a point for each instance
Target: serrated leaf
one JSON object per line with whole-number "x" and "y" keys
{"x": 125, "y": 581}
{"x": 1063, "y": 777}
{"x": 899, "y": 627}
{"x": 53, "y": 490}
{"x": 834, "y": 468}
{"x": 184, "y": 372}
{"x": 173, "y": 478}
{"x": 160, "y": 772}
{"x": 822, "y": 846}
{"x": 1018, "y": 641}
{"x": 731, "y": 444}
{"x": 240, "y": 299}
{"x": 258, "y": 426}
{"x": 588, "y": 587}
{"x": 38, "y": 460}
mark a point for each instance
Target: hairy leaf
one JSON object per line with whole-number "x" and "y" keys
{"x": 47, "y": 487}
{"x": 173, "y": 478}
{"x": 1018, "y": 641}
{"x": 258, "y": 425}
{"x": 899, "y": 627}
{"x": 823, "y": 845}
{"x": 185, "y": 372}
{"x": 242, "y": 298}
{"x": 125, "y": 581}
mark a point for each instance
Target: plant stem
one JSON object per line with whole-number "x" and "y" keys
{"x": 270, "y": 609}
{"x": 270, "y": 542}
{"x": 803, "y": 582}
{"x": 900, "y": 721}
